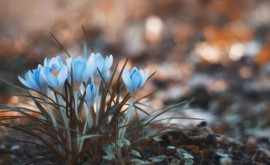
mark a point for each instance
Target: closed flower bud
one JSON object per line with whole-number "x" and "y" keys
{"x": 91, "y": 94}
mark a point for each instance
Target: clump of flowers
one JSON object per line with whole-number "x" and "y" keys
{"x": 81, "y": 115}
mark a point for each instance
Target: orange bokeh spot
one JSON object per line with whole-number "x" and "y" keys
{"x": 54, "y": 72}
{"x": 264, "y": 56}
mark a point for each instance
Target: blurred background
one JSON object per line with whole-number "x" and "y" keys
{"x": 214, "y": 51}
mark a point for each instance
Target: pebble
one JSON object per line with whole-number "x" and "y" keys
{"x": 15, "y": 147}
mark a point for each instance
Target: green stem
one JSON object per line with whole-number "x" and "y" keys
{"x": 127, "y": 117}
{"x": 65, "y": 119}
{"x": 50, "y": 112}
{"x": 97, "y": 108}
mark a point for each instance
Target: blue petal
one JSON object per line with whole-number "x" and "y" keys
{"x": 133, "y": 71}
{"x": 30, "y": 77}
{"x": 69, "y": 63}
{"x": 89, "y": 70}
{"x": 144, "y": 76}
{"x": 46, "y": 62}
{"x": 56, "y": 63}
{"x": 106, "y": 76}
{"x": 100, "y": 63}
{"x": 43, "y": 77}
{"x": 51, "y": 79}
{"x": 136, "y": 80}
{"x": 91, "y": 93}
{"x": 127, "y": 80}
{"x": 37, "y": 74}
{"x": 43, "y": 82}
{"x": 91, "y": 59}
{"x": 25, "y": 83}
{"x": 59, "y": 59}
{"x": 95, "y": 91}
{"x": 62, "y": 76}
{"x": 88, "y": 92}
{"x": 78, "y": 70}
{"x": 108, "y": 63}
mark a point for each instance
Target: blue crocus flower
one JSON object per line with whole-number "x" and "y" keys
{"x": 34, "y": 80}
{"x": 135, "y": 79}
{"x": 91, "y": 94}
{"x": 55, "y": 72}
{"x": 81, "y": 68}
{"x": 102, "y": 64}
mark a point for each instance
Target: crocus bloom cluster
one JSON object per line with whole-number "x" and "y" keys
{"x": 54, "y": 73}
{"x": 74, "y": 87}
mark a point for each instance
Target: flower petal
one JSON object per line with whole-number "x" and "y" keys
{"x": 69, "y": 62}
{"x": 108, "y": 63}
{"x": 46, "y": 62}
{"x": 62, "y": 75}
{"x": 133, "y": 71}
{"x": 25, "y": 83}
{"x": 99, "y": 62}
{"x": 91, "y": 59}
{"x": 136, "y": 80}
{"x": 106, "y": 75}
{"x": 144, "y": 76}
{"x": 78, "y": 70}
{"x": 51, "y": 79}
{"x": 30, "y": 77}
{"x": 126, "y": 79}
{"x": 89, "y": 70}
{"x": 91, "y": 94}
